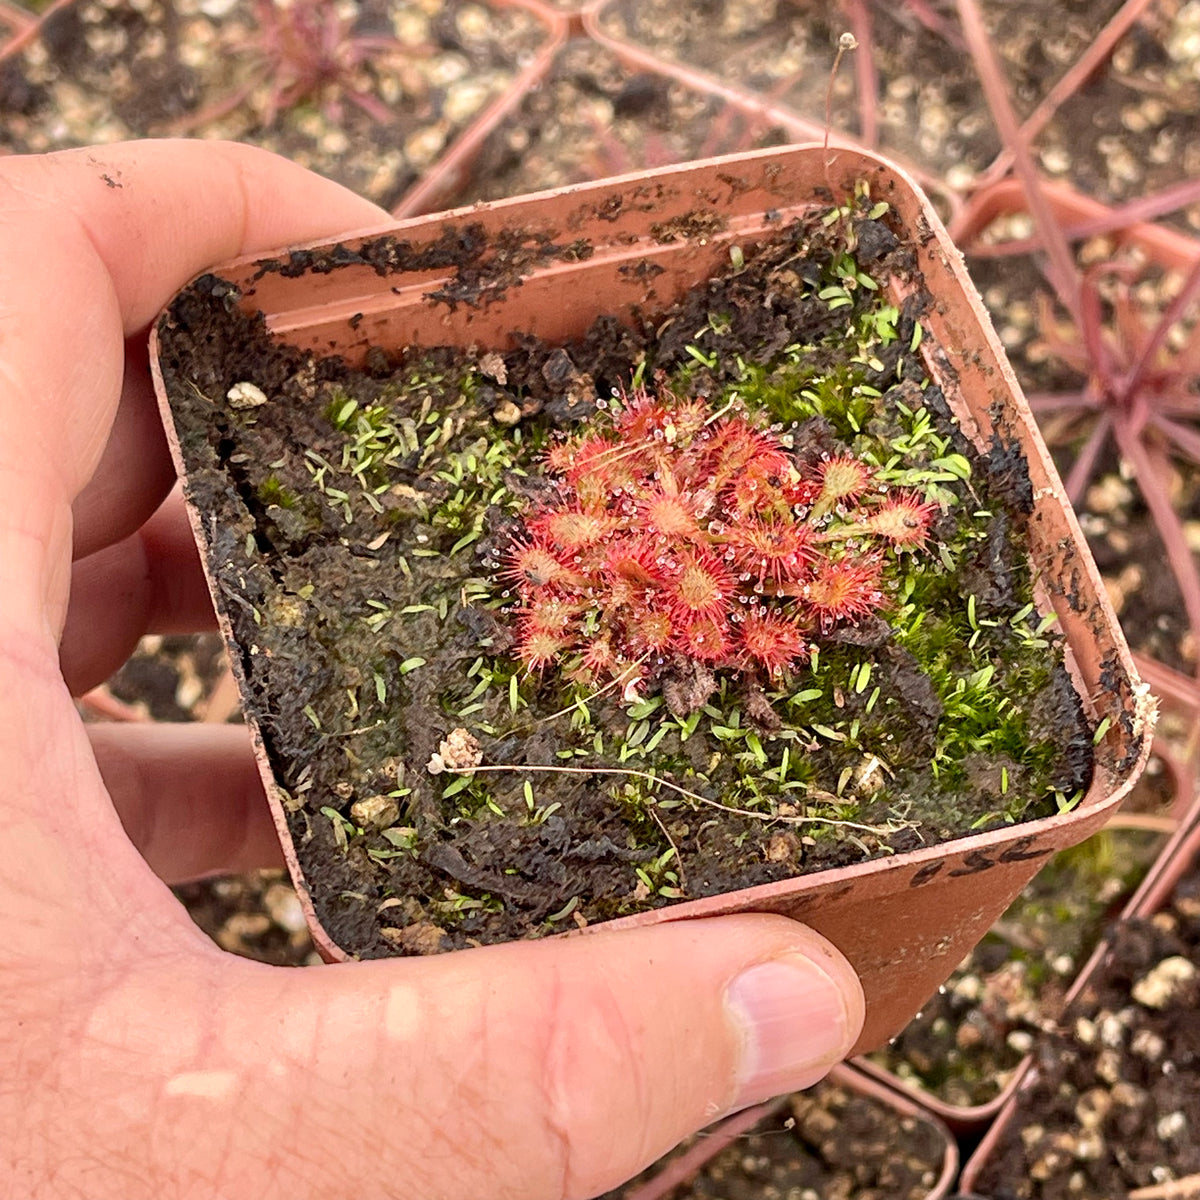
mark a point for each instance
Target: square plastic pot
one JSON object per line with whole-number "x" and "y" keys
{"x": 903, "y": 921}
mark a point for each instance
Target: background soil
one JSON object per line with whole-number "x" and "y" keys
{"x": 1115, "y": 1102}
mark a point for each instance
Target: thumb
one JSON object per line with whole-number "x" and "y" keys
{"x": 559, "y": 1069}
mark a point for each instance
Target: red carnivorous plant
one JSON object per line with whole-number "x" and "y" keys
{"x": 677, "y": 533}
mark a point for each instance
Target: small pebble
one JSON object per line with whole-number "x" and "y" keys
{"x": 375, "y": 812}
{"x": 425, "y": 145}
{"x": 1171, "y": 1125}
{"x": 246, "y": 395}
{"x": 506, "y": 413}
{"x": 1163, "y": 983}
{"x": 283, "y": 904}
{"x": 1147, "y": 1044}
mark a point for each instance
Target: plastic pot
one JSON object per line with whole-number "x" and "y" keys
{"x": 678, "y": 1169}
{"x": 903, "y": 921}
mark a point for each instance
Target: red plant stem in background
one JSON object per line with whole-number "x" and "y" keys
{"x": 1075, "y": 77}
{"x": 15, "y": 19}
{"x": 934, "y": 22}
{"x": 1150, "y": 468}
{"x": 24, "y": 25}
{"x": 1184, "y": 436}
{"x": 1085, "y": 461}
{"x": 1063, "y": 275}
{"x": 1175, "y": 312}
{"x": 1091, "y": 326}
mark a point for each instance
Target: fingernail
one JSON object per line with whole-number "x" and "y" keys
{"x": 795, "y": 1024}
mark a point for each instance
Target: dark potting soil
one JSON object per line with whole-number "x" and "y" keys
{"x": 829, "y": 1142}
{"x": 358, "y": 524}
{"x": 1115, "y": 1103}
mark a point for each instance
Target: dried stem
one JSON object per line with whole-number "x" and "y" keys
{"x": 579, "y": 701}
{"x": 845, "y": 42}
{"x": 682, "y": 791}
{"x": 1176, "y": 1189}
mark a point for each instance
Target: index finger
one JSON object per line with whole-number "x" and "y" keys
{"x": 96, "y": 242}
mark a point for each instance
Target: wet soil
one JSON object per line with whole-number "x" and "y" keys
{"x": 363, "y": 644}
{"x": 828, "y": 1142}
{"x": 405, "y": 79}
{"x": 1115, "y": 1103}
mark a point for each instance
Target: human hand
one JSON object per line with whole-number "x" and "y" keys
{"x": 136, "y": 1059}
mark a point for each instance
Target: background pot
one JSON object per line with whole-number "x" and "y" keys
{"x": 1027, "y": 990}
{"x": 1181, "y": 857}
{"x": 1081, "y": 217}
{"x": 677, "y": 1169}
{"x": 904, "y": 921}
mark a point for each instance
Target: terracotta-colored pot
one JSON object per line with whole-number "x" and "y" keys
{"x": 678, "y": 1170}
{"x": 1180, "y": 856}
{"x": 904, "y": 921}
